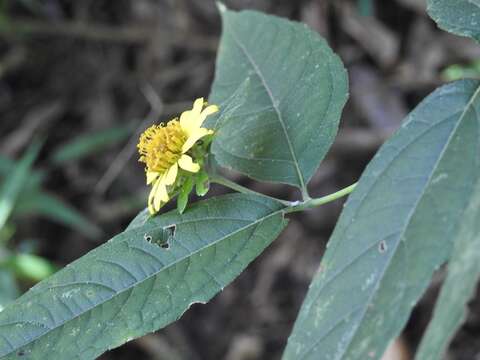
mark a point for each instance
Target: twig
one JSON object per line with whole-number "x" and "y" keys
{"x": 97, "y": 32}
{"x": 80, "y": 30}
{"x": 127, "y": 152}
{"x": 32, "y": 122}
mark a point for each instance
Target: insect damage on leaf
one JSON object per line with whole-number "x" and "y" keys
{"x": 161, "y": 236}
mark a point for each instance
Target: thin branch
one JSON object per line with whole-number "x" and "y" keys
{"x": 97, "y": 32}
{"x": 128, "y": 151}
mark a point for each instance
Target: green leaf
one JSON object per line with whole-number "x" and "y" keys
{"x": 130, "y": 286}
{"x": 42, "y": 203}
{"x": 30, "y": 267}
{"x": 35, "y": 177}
{"x": 461, "y": 17}
{"x": 14, "y": 183}
{"x": 281, "y": 91}
{"x": 89, "y": 144}
{"x": 397, "y": 227}
{"x": 459, "y": 286}
{"x": 8, "y": 288}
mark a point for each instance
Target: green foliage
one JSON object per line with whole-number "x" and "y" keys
{"x": 45, "y": 204}
{"x": 462, "y": 278}
{"x": 395, "y": 230}
{"x": 131, "y": 286}
{"x": 33, "y": 200}
{"x": 8, "y": 287}
{"x": 281, "y": 91}
{"x": 30, "y": 267}
{"x": 89, "y": 144}
{"x": 14, "y": 184}
{"x": 282, "y": 122}
{"x": 461, "y": 17}
{"x": 458, "y": 72}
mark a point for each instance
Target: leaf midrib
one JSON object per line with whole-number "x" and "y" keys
{"x": 274, "y": 105}
{"x": 412, "y": 212}
{"x": 133, "y": 285}
{"x": 409, "y": 218}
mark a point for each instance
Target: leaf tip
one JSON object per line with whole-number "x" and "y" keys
{"x": 221, "y": 7}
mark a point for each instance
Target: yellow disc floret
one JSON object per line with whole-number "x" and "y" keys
{"x": 166, "y": 148}
{"x": 161, "y": 146}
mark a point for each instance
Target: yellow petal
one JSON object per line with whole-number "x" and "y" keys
{"x": 197, "y": 107}
{"x": 151, "y": 196}
{"x": 189, "y": 119}
{"x": 186, "y": 163}
{"x": 186, "y": 122}
{"x": 209, "y": 110}
{"x": 193, "y": 138}
{"x": 152, "y": 176}
{"x": 171, "y": 174}
{"x": 161, "y": 195}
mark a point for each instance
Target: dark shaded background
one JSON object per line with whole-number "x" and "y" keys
{"x": 70, "y": 68}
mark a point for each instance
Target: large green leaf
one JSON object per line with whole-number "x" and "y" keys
{"x": 284, "y": 90}
{"x": 135, "y": 284}
{"x": 397, "y": 227}
{"x": 463, "y": 274}
{"x": 461, "y": 17}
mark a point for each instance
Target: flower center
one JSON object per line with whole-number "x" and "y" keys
{"x": 160, "y": 146}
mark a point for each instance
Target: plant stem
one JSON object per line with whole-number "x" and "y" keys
{"x": 320, "y": 201}
{"x": 291, "y": 206}
{"x": 242, "y": 189}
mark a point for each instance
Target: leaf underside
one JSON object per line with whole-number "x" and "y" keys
{"x": 398, "y": 226}
{"x": 281, "y": 91}
{"x": 130, "y": 286}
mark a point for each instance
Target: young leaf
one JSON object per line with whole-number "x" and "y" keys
{"x": 14, "y": 183}
{"x": 397, "y": 227}
{"x": 131, "y": 285}
{"x": 461, "y": 17}
{"x": 459, "y": 287}
{"x": 293, "y": 91}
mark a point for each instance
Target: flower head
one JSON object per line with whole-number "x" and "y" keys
{"x": 171, "y": 152}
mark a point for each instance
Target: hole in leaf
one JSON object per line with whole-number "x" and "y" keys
{"x": 161, "y": 236}
{"x": 382, "y": 246}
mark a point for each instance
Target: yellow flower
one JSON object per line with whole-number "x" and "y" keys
{"x": 165, "y": 149}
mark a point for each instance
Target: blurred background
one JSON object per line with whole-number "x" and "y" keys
{"x": 79, "y": 80}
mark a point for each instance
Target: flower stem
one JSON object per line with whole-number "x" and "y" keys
{"x": 309, "y": 204}
{"x": 290, "y": 206}
{"x": 242, "y": 189}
